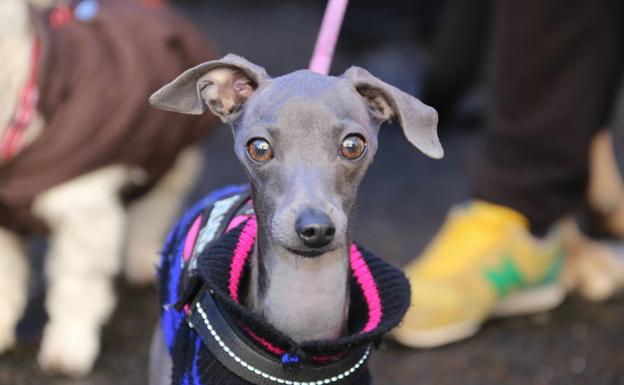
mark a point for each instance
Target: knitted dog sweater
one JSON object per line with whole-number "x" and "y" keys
{"x": 215, "y": 240}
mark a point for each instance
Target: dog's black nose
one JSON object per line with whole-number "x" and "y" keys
{"x": 315, "y": 228}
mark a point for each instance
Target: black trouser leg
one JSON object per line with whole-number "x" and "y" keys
{"x": 552, "y": 74}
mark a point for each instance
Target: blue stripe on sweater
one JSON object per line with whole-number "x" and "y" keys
{"x": 194, "y": 370}
{"x": 172, "y": 258}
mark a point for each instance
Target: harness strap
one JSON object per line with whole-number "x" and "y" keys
{"x": 214, "y": 223}
{"x": 239, "y": 355}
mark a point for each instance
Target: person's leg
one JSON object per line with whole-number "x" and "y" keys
{"x": 552, "y": 69}
{"x": 552, "y": 77}
{"x": 457, "y": 52}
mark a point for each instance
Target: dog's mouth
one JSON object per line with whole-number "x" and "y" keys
{"x": 310, "y": 253}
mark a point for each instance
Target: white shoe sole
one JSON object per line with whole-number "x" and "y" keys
{"x": 526, "y": 302}
{"x": 531, "y": 301}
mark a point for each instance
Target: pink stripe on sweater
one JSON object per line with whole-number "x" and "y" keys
{"x": 369, "y": 288}
{"x": 245, "y": 243}
{"x": 269, "y": 346}
{"x": 191, "y": 237}
{"x": 237, "y": 220}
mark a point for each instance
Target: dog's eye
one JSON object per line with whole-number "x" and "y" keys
{"x": 353, "y": 147}
{"x": 259, "y": 150}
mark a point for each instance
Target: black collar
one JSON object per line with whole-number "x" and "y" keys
{"x": 239, "y": 355}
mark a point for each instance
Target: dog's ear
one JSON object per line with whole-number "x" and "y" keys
{"x": 223, "y": 86}
{"x": 418, "y": 121}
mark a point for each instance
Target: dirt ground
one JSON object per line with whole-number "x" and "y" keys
{"x": 402, "y": 202}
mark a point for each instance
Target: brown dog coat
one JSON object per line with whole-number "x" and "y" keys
{"x": 95, "y": 78}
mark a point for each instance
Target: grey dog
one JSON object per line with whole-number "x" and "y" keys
{"x": 305, "y": 141}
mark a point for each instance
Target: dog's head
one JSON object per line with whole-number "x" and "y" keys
{"x": 304, "y": 139}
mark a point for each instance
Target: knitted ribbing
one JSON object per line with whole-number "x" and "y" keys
{"x": 375, "y": 307}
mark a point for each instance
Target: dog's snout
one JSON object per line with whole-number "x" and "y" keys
{"x": 315, "y": 228}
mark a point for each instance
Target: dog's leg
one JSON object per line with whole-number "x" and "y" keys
{"x": 13, "y": 286}
{"x": 87, "y": 223}
{"x": 151, "y": 216}
{"x": 591, "y": 266}
{"x": 160, "y": 364}
{"x": 605, "y": 191}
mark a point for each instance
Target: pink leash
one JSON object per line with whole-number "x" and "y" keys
{"x": 328, "y": 36}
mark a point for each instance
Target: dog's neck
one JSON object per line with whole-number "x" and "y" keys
{"x": 16, "y": 42}
{"x": 305, "y": 298}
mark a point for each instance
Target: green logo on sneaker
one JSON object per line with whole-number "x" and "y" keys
{"x": 554, "y": 270}
{"x": 506, "y": 277}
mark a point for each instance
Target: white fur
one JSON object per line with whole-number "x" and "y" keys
{"x": 13, "y": 286}
{"x": 88, "y": 223}
{"x": 152, "y": 215}
{"x": 15, "y": 43}
{"x": 16, "y": 40}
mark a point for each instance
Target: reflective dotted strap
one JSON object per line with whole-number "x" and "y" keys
{"x": 250, "y": 363}
{"x": 216, "y": 222}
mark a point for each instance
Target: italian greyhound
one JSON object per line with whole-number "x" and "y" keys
{"x": 305, "y": 141}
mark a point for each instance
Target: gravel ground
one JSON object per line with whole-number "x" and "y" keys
{"x": 402, "y": 202}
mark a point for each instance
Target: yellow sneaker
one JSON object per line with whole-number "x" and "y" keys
{"x": 484, "y": 262}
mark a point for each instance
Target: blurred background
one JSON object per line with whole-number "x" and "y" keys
{"x": 435, "y": 50}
